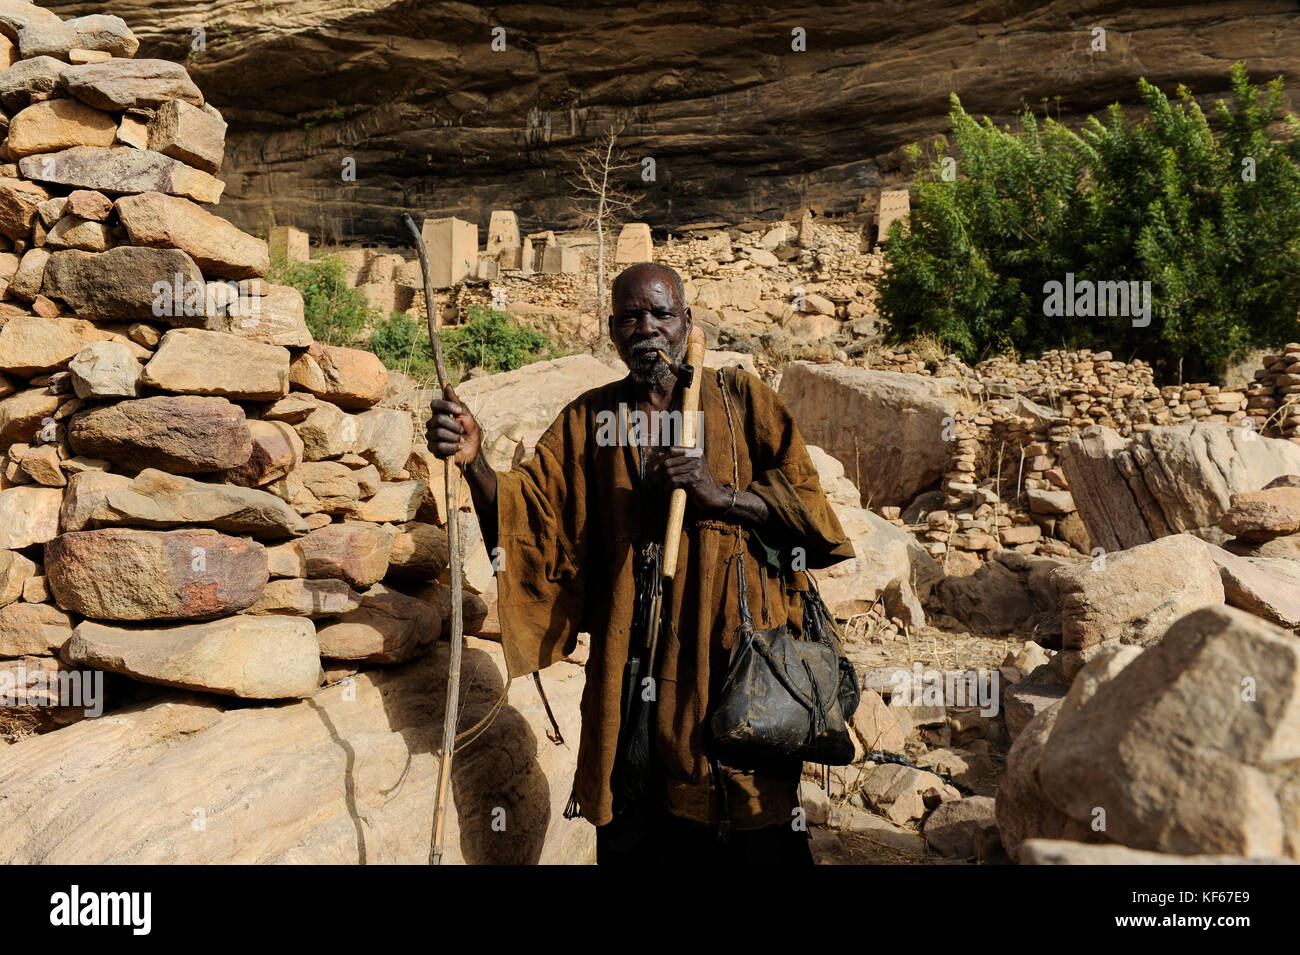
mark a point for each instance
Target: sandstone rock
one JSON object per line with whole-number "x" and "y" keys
{"x": 189, "y": 134}
{"x": 395, "y": 502}
{"x": 105, "y": 370}
{"x": 888, "y": 564}
{"x": 18, "y": 206}
{"x": 23, "y": 415}
{"x": 73, "y": 233}
{"x": 28, "y": 515}
{"x": 326, "y": 432}
{"x": 902, "y": 794}
{"x": 388, "y": 627}
{"x": 278, "y": 785}
{"x": 86, "y": 204}
{"x": 1263, "y": 515}
{"x": 158, "y": 499}
{"x": 155, "y": 220}
{"x": 120, "y": 574}
{"x": 121, "y": 169}
{"x": 194, "y": 361}
{"x": 285, "y": 560}
{"x": 98, "y": 32}
{"x": 1267, "y": 587}
{"x": 1050, "y": 502}
{"x": 357, "y": 553}
{"x": 182, "y": 434}
{"x": 306, "y": 598}
{"x": 276, "y": 318}
{"x": 41, "y": 464}
{"x": 419, "y": 550}
{"x": 1022, "y": 701}
{"x": 1168, "y": 480}
{"x": 261, "y": 658}
{"x": 1064, "y": 852}
{"x": 878, "y": 726}
{"x": 30, "y": 345}
{"x": 121, "y": 84}
{"x": 277, "y": 450}
{"x": 27, "y": 281}
{"x": 59, "y": 124}
{"x": 991, "y": 600}
{"x": 332, "y": 485}
{"x": 885, "y": 428}
{"x": 953, "y": 828}
{"x": 30, "y": 79}
{"x": 15, "y": 571}
{"x": 27, "y": 628}
{"x": 86, "y": 491}
{"x": 384, "y": 438}
{"x": 123, "y": 283}
{"x": 347, "y": 377}
{"x": 1208, "y": 778}
{"x": 1136, "y": 594}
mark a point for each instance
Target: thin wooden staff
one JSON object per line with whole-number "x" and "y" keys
{"x": 453, "y": 547}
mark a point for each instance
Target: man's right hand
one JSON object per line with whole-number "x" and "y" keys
{"x": 452, "y": 430}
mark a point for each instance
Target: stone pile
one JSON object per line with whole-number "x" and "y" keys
{"x": 1274, "y": 396}
{"x": 192, "y": 492}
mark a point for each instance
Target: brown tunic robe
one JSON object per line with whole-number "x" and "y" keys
{"x": 568, "y": 524}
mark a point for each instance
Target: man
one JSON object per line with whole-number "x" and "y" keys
{"x": 575, "y": 525}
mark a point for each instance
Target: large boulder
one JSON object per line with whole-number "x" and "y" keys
{"x": 122, "y": 574}
{"x": 1190, "y": 748}
{"x": 1134, "y": 595}
{"x": 1167, "y": 480}
{"x": 347, "y": 377}
{"x": 886, "y": 429}
{"x": 181, "y": 434}
{"x": 1260, "y": 516}
{"x": 1268, "y": 587}
{"x": 262, "y": 658}
{"x": 523, "y": 403}
{"x": 30, "y": 345}
{"x": 59, "y": 124}
{"x": 289, "y": 783}
{"x": 888, "y": 565}
{"x": 357, "y": 553}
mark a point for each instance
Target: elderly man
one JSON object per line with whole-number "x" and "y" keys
{"x": 574, "y": 525}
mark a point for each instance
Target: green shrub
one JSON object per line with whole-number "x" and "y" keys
{"x": 1165, "y": 200}
{"x": 337, "y": 314}
{"x": 489, "y": 339}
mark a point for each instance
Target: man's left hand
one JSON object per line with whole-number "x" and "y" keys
{"x": 686, "y": 468}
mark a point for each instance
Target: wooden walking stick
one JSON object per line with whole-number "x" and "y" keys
{"x": 695, "y": 346}
{"x": 453, "y": 548}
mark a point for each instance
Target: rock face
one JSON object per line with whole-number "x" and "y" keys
{"x": 263, "y": 658}
{"x": 1167, "y": 480}
{"x": 290, "y": 783}
{"x": 886, "y": 429}
{"x": 858, "y": 97}
{"x": 121, "y": 574}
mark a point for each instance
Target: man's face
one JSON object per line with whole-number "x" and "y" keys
{"x": 647, "y": 317}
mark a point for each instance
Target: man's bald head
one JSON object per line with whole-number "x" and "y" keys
{"x": 649, "y": 315}
{"x": 643, "y": 271}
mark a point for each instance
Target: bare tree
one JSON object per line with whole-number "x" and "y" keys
{"x": 600, "y": 197}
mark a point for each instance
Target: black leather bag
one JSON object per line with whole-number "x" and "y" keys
{"x": 784, "y": 697}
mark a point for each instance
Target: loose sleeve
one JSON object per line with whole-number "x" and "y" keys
{"x": 784, "y": 477}
{"x": 541, "y": 533}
